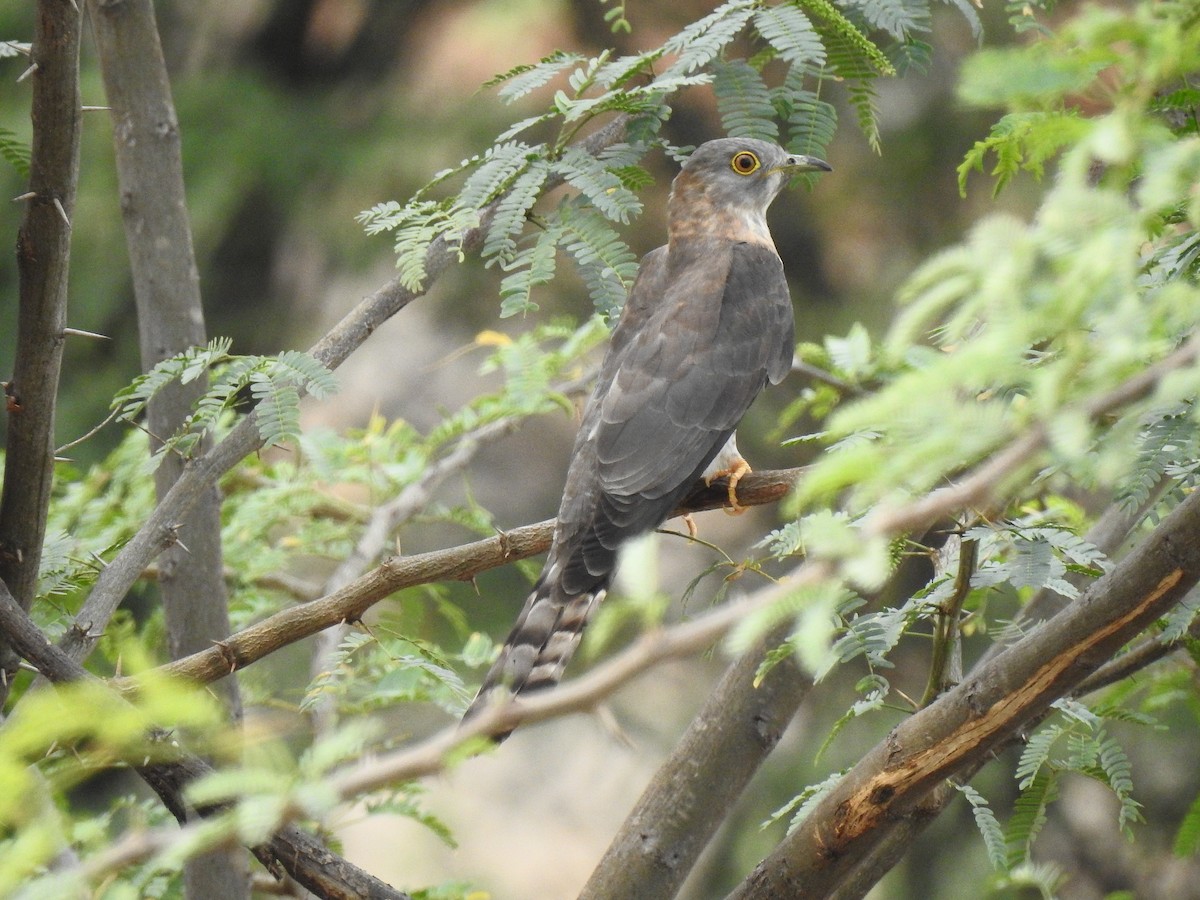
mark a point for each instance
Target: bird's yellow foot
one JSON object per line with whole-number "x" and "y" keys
{"x": 734, "y": 473}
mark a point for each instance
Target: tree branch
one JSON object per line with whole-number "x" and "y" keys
{"x": 580, "y": 694}
{"x": 969, "y": 722}
{"x": 166, "y": 287}
{"x": 375, "y": 536}
{"x": 988, "y": 478}
{"x": 43, "y": 263}
{"x": 455, "y": 564}
{"x": 1108, "y": 534}
{"x": 693, "y": 791}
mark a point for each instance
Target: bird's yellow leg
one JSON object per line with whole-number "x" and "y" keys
{"x": 734, "y": 473}
{"x": 693, "y": 531}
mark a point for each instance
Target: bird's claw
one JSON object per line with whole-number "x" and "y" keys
{"x": 734, "y": 473}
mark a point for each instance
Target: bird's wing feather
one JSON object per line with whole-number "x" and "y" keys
{"x": 688, "y": 376}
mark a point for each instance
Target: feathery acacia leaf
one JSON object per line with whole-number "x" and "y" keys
{"x": 15, "y": 152}
{"x": 1029, "y": 815}
{"x": 534, "y": 265}
{"x": 899, "y": 18}
{"x": 702, "y": 41}
{"x": 524, "y": 79}
{"x": 744, "y": 101}
{"x": 989, "y": 827}
{"x": 499, "y": 166}
{"x": 600, "y": 186}
{"x": 605, "y": 261}
{"x": 512, "y": 210}
{"x": 791, "y": 34}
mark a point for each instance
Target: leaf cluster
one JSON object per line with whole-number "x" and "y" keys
{"x": 776, "y": 92}
{"x": 272, "y": 383}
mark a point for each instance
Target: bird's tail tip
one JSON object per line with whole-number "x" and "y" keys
{"x": 537, "y": 651}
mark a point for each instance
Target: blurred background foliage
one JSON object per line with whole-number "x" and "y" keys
{"x": 298, "y": 114}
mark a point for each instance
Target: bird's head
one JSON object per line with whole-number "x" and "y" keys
{"x": 734, "y": 178}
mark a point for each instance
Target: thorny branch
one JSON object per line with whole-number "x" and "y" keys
{"x": 43, "y": 263}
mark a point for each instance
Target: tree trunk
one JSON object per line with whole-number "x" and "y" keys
{"x": 170, "y": 319}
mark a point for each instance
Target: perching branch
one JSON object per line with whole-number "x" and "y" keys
{"x": 157, "y": 532}
{"x": 375, "y": 536}
{"x": 455, "y": 564}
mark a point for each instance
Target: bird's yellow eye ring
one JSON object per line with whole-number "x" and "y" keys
{"x": 744, "y": 162}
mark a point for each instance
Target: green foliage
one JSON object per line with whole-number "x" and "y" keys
{"x": 274, "y": 384}
{"x": 791, "y": 34}
{"x": 744, "y": 101}
{"x": 989, "y": 827}
{"x": 55, "y": 740}
{"x": 521, "y": 80}
{"x": 606, "y": 263}
{"x": 1022, "y": 142}
{"x": 14, "y": 151}
{"x": 417, "y": 226}
{"x": 1187, "y": 838}
{"x": 803, "y": 803}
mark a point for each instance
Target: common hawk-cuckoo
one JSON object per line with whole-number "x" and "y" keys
{"x": 707, "y": 324}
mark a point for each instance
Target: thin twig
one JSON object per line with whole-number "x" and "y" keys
{"x": 946, "y": 637}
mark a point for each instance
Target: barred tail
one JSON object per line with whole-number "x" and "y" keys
{"x": 541, "y": 643}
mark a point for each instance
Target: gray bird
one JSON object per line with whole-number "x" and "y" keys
{"x": 707, "y": 324}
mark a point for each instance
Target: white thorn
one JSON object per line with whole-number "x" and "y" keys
{"x": 94, "y": 108}
{"x": 62, "y": 212}
{"x": 33, "y": 68}
{"x": 29, "y": 195}
{"x": 91, "y": 334}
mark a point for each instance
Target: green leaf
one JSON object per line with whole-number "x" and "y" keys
{"x": 744, "y": 101}
{"x": 1029, "y": 815}
{"x": 605, "y": 261}
{"x": 511, "y": 212}
{"x": 535, "y": 265}
{"x": 523, "y": 79}
{"x": 792, "y": 35}
{"x": 899, "y": 18}
{"x": 811, "y": 121}
{"x": 989, "y": 827}
{"x": 1029, "y": 77}
{"x": 500, "y": 165}
{"x": 15, "y": 151}
{"x": 603, "y": 188}
{"x": 701, "y": 42}
{"x": 1187, "y": 838}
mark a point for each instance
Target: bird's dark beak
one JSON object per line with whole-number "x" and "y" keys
{"x": 798, "y": 164}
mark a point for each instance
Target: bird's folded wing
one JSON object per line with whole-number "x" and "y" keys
{"x": 721, "y": 330}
